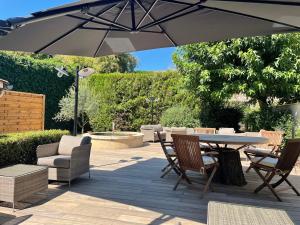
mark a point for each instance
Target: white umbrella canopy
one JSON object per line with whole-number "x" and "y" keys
{"x": 104, "y": 27}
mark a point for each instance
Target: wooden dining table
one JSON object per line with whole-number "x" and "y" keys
{"x": 230, "y": 171}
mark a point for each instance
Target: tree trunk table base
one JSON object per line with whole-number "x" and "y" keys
{"x": 230, "y": 171}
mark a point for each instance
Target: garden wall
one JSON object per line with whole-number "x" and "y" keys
{"x": 21, "y": 111}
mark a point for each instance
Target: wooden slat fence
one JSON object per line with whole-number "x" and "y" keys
{"x": 21, "y": 111}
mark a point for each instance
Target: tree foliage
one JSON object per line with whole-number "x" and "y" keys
{"x": 87, "y": 105}
{"x": 266, "y": 69}
{"x": 123, "y": 63}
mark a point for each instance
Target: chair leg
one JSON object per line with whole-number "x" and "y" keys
{"x": 166, "y": 172}
{"x": 186, "y": 178}
{"x": 280, "y": 180}
{"x": 266, "y": 183}
{"x": 208, "y": 183}
{"x": 166, "y": 167}
{"x": 178, "y": 181}
{"x": 292, "y": 186}
{"x": 248, "y": 158}
{"x": 249, "y": 168}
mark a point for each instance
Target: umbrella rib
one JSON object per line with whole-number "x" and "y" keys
{"x": 119, "y": 30}
{"x": 174, "y": 15}
{"x": 108, "y": 21}
{"x": 146, "y": 14}
{"x": 262, "y": 2}
{"x": 177, "y": 2}
{"x": 97, "y": 22}
{"x": 107, "y": 32}
{"x": 251, "y": 16}
{"x": 160, "y": 27}
{"x": 101, "y": 29}
{"x": 73, "y": 29}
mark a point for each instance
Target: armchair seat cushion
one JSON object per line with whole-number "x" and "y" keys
{"x": 267, "y": 161}
{"x": 57, "y": 161}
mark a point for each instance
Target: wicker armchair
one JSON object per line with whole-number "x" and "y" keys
{"x": 174, "y": 130}
{"x": 204, "y": 130}
{"x": 226, "y": 131}
{"x": 67, "y": 159}
{"x": 150, "y": 132}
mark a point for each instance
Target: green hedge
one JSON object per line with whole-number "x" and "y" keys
{"x": 21, "y": 147}
{"x": 123, "y": 98}
{"x": 27, "y": 74}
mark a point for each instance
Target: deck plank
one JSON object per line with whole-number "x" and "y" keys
{"x": 125, "y": 189}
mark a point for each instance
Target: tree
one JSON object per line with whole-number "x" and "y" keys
{"x": 87, "y": 105}
{"x": 123, "y": 63}
{"x": 266, "y": 69}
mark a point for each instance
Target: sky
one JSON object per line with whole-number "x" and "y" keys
{"x": 157, "y": 59}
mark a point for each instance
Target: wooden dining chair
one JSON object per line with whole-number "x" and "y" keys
{"x": 168, "y": 149}
{"x": 190, "y": 158}
{"x": 273, "y": 146}
{"x": 275, "y": 165}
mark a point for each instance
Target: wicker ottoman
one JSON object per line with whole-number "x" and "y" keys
{"x": 221, "y": 213}
{"x": 21, "y": 181}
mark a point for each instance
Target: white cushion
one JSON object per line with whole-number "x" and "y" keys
{"x": 262, "y": 150}
{"x": 205, "y": 145}
{"x": 268, "y": 161}
{"x": 209, "y": 160}
{"x": 170, "y": 150}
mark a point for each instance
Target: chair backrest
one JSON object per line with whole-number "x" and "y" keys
{"x": 205, "y": 130}
{"x": 188, "y": 152}
{"x": 275, "y": 137}
{"x": 163, "y": 145}
{"x": 289, "y": 155}
{"x": 67, "y": 143}
{"x": 225, "y": 130}
{"x": 252, "y": 134}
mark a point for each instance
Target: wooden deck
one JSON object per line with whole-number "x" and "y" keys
{"x": 126, "y": 189}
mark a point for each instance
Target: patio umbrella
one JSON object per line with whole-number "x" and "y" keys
{"x": 104, "y": 27}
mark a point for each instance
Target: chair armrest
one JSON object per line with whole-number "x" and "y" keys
{"x": 47, "y": 150}
{"x": 81, "y": 155}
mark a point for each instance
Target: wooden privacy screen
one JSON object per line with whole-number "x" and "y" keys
{"x": 21, "y": 112}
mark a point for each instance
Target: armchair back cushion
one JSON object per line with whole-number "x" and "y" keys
{"x": 155, "y": 128}
{"x": 67, "y": 143}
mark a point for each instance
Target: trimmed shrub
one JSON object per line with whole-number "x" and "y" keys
{"x": 179, "y": 116}
{"x": 123, "y": 98}
{"x": 21, "y": 147}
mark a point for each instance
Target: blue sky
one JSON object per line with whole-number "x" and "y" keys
{"x": 158, "y": 59}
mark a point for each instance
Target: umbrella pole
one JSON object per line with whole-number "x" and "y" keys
{"x": 76, "y": 102}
